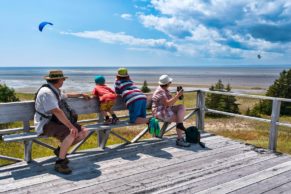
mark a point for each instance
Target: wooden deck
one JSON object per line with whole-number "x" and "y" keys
{"x": 157, "y": 166}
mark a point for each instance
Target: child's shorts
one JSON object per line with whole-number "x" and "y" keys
{"x": 137, "y": 109}
{"x": 106, "y": 106}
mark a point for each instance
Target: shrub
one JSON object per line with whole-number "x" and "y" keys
{"x": 7, "y": 95}
{"x": 145, "y": 88}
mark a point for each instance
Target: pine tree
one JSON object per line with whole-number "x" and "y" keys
{"x": 145, "y": 88}
{"x": 280, "y": 88}
{"x": 221, "y": 102}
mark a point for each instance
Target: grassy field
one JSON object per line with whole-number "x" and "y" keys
{"x": 249, "y": 131}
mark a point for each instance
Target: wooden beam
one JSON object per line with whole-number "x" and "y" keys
{"x": 273, "y": 126}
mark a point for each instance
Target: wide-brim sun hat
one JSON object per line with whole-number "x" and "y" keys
{"x": 165, "y": 79}
{"x": 55, "y": 75}
{"x": 122, "y": 72}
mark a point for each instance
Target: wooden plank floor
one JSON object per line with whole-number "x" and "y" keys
{"x": 157, "y": 166}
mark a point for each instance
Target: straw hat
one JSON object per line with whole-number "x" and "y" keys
{"x": 165, "y": 79}
{"x": 122, "y": 72}
{"x": 55, "y": 75}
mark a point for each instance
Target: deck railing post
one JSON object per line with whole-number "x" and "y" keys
{"x": 273, "y": 128}
{"x": 100, "y": 132}
{"x": 200, "y": 103}
{"x": 27, "y": 144}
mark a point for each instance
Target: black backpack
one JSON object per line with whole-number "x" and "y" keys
{"x": 193, "y": 136}
{"x": 69, "y": 112}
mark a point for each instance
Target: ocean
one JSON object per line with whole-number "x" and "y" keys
{"x": 256, "y": 78}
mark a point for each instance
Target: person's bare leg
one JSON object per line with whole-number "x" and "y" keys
{"x": 103, "y": 113}
{"x": 81, "y": 135}
{"x": 180, "y": 114}
{"x": 65, "y": 145}
{"x": 179, "y": 131}
{"x": 179, "y": 119}
{"x": 141, "y": 120}
{"x": 111, "y": 112}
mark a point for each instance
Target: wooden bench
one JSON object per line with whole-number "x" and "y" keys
{"x": 24, "y": 112}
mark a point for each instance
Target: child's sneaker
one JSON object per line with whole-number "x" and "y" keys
{"x": 114, "y": 120}
{"x": 181, "y": 142}
{"x": 107, "y": 122}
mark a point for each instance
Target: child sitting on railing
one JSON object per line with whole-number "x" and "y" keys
{"x": 106, "y": 98}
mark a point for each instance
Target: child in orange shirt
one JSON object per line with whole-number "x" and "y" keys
{"x": 106, "y": 99}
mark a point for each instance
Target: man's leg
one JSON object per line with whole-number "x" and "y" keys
{"x": 65, "y": 145}
{"x": 81, "y": 135}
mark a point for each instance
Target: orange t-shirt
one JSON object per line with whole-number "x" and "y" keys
{"x": 104, "y": 93}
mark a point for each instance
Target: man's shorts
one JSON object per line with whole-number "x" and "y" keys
{"x": 106, "y": 106}
{"x": 137, "y": 109}
{"x": 57, "y": 130}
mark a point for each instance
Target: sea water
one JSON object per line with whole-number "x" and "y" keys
{"x": 81, "y": 79}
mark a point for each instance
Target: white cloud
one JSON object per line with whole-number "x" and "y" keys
{"x": 212, "y": 27}
{"x": 122, "y": 38}
{"x": 173, "y": 26}
{"x": 126, "y": 16}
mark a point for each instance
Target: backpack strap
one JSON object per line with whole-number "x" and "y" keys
{"x": 56, "y": 94}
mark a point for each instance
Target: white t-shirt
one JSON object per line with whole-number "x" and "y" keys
{"x": 45, "y": 101}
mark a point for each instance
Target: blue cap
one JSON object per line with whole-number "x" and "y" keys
{"x": 99, "y": 79}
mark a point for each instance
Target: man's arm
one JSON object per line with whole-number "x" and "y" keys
{"x": 77, "y": 95}
{"x": 62, "y": 117}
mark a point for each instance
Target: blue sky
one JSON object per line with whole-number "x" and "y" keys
{"x": 145, "y": 32}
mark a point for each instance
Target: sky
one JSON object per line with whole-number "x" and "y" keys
{"x": 145, "y": 32}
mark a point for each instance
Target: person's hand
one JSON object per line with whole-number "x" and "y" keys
{"x": 74, "y": 131}
{"x": 180, "y": 93}
{"x": 86, "y": 96}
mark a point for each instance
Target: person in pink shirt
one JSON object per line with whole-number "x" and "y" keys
{"x": 106, "y": 98}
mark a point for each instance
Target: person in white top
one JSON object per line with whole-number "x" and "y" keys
{"x": 52, "y": 121}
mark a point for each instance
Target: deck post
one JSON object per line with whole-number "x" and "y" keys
{"x": 273, "y": 126}
{"x": 27, "y": 143}
{"x": 100, "y": 133}
{"x": 200, "y": 103}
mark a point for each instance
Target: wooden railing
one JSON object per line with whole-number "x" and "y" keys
{"x": 199, "y": 110}
{"x": 274, "y": 121}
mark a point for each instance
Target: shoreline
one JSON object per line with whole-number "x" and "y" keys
{"x": 153, "y": 86}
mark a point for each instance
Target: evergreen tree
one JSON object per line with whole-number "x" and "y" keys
{"x": 221, "y": 102}
{"x": 7, "y": 94}
{"x": 280, "y": 88}
{"x": 145, "y": 88}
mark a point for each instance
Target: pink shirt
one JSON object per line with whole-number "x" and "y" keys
{"x": 159, "y": 110}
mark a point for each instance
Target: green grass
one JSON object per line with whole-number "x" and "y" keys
{"x": 249, "y": 131}
{"x": 25, "y": 96}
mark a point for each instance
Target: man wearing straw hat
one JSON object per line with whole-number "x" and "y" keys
{"x": 50, "y": 120}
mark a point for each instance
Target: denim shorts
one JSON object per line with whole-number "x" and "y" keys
{"x": 137, "y": 109}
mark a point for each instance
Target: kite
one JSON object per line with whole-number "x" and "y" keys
{"x": 42, "y": 25}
